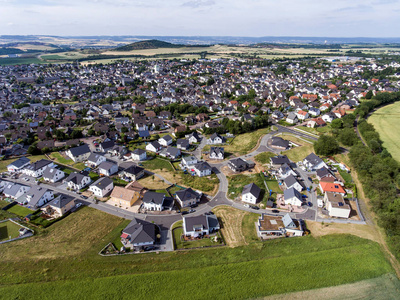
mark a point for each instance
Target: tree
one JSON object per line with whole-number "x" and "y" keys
{"x": 337, "y": 124}
{"x": 326, "y": 146}
{"x": 369, "y": 95}
{"x": 348, "y": 137}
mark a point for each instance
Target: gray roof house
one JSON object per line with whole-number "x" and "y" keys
{"x": 291, "y": 181}
{"x": 138, "y": 233}
{"x": 18, "y": 165}
{"x": 314, "y": 162}
{"x": 15, "y": 190}
{"x": 153, "y": 201}
{"x": 187, "y": 197}
{"x": 199, "y": 226}
{"x": 36, "y": 197}
{"x": 79, "y": 153}
{"x": 250, "y": 193}
{"x": 292, "y": 197}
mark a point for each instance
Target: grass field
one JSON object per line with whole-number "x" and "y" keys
{"x": 158, "y": 164}
{"x": 8, "y": 230}
{"x": 249, "y": 228}
{"x": 264, "y": 158}
{"x": 297, "y": 153}
{"x": 386, "y": 123}
{"x": 20, "y": 210}
{"x": 244, "y": 143}
{"x": 207, "y": 184}
{"x": 61, "y": 159}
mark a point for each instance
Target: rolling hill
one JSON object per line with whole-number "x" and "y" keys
{"x": 148, "y": 44}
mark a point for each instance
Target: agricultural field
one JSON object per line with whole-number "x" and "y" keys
{"x": 244, "y": 143}
{"x": 386, "y": 123}
{"x": 8, "y": 230}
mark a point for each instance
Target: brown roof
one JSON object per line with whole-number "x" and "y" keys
{"x": 123, "y": 193}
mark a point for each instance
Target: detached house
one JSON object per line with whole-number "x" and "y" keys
{"x": 138, "y": 234}
{"x": 102, "y": 187}
{"x": 292, "y": 197}
{"x": 200, "y": 226}
{"x": 314, "y": 162}
{"x": 59, "y": 206}
{"x": 239, "y": 165}
{"x": 166, "y": 140}
{"x": 15, "y": 190}
{"x": 139, "y": 154}
{"x": 202, "y": 169}
{"x": 291, "y": 118}
{"x": 153, "y": 201}
{"x": 53, "y": 175}
{"x": 80, "y": 153}
{"x": 336, "y": 205}
{"x": 187, "y": 197}
{"x": 77, "y": 181}
{"x": 124, "y": 197}
{"x": 36, "y": 197}
{"x": 215, "y": 139}
{"x": 251, "y": 193}
{"x": 18, "y": 165}
{"x": 95, "y": 159}
{"x": 37, "y": 168}
{"x": 216, "y": 153}
{"x": 153, "y": 147}
{"x": 132, "y": 173}
{"x": 107, "y": 168}
{"x": 194, "y": 138}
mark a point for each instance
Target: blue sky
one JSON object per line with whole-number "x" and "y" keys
{"x": 340, "y": 18}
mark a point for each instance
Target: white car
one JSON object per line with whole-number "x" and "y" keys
{"x": 78, "y": 205}
{"x": 246, "y": 205}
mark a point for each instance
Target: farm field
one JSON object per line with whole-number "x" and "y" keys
{"x": 386, "y": 123}
{"x": 63, "y": 257}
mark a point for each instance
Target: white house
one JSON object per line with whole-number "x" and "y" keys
{"x": 336, "y": 205}
{"x": 217, "y": 153}
{"x": 302, "y": 115}
{"x": 215, "y": 139}
{"x": 199, "y": 226}
{"x": 139, "y": 154}
{"x": 107, "y": 168}
{"x": 291, "y": 182}
{"x": 153, "y": 201}
{"x": 202, "y": 169}
{"x": 53, "y": 174}
{"x": 138, "y": 234}
{"x": 188, "y": 161}
{"x": 251, "y": 193}
{"x": 77, "y": 181}
{"x": 80, "y": 153}
{"x": 292, "y": 197}
{"x": 313, "y": 111}
{"x": 194, "y": 138}
{"x": 95, "y": 159}
{"x": 329, "y": 117}
{"x": 314, "y": 162}
{"x": 37, "y": 168}
{"x": 102, "y": 187}
{"x": 15, "y": 190}
{"x": 18, "y": 165}
{"x": 166, "y": 140}
{"x": 291, "y": 118}
{"x": 153, "y": 147}
{"x": 36, "y": 197}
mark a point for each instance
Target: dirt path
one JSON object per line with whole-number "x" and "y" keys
{"x": 231, "y": 228}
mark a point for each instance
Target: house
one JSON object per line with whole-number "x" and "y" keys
{"x": 292, "y": 197}
{"x": 199, "y": 226}
{"x": 36, "y": 197}
{"x": 316, "y": 122}
{"x": 239, "y": 165}
{"x": 153, "y": 201}
{"x": 132, "y": 173}
{"x": 37, "y": 168}
{"x": 189, "y": 161}
{"x": 139, "y": 155}
{"x": 314, "y": 162}
{"x": 182, "y": 144}
{"x": 105, "y": 146}
{"x": 279, "y": 160}
{"x": 331, "y": 187}
{"x": 251, "y": 193}
{"x": 138, "y": 234}
{"x": 80, "y": 153}
{"x": 194, "y": 138}
{"x": 291, "y": 118}
{"x": 118, "y": 151}
{"x": 18, "y": 165}
{"x": 77, "y": 181}
{"x": 291, "y": 182}
{"x": 336, "y": 205}
{"x": 329, "y": 117}
{"x": 15, "y": 190}
{"x": 187, "y": 197}
{"x": 102, "y": 187}
{"x": 278, "y": 226}
{"x": 285, "y": 170}
{"x": 279, "y": 143}
{"x": 124, "y": 197}
{"x": 171, "y": 152}
{"x": 107, "y": 168}
{"x": 277, "y": 115}
{"x": 202, "y": 169}
{"x": 216, "y": 153}
{"x": 53, "y": 175}
{"x": 313, "y": 111}
{"x": 302, "y": 115}
{"x": 153, "y": 147}
{"x": 325, "y": 174}
{"x": 59, "y": 206}
{"x": 215, "y": 139}
{"x": 95, "y": 159}
{"x": 166, "y": 140}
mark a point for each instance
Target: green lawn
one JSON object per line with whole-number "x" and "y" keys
{"x": 249, "y": 228}
{"x": 207, "y": 184}
{"x": 61, "y": 159}
{"x": 181, "y": 244}
{"x": 346, "y": 176}
{"x": 244, "y": 143}
{"x": 8, "y": 229}
{"x": 274, "y": 186}
{"x": 3, "y": 203}
{"x": 20, "y": 210}
{"x": 386, "y": 123}
{"x": 118, "y": 181}
{"x": 237, "y": 182}
{"x": 79, "y": 165}
{"x": 158, "y": 164}
{"x": 299, "y": 153}
{"x": 264, "y": 158}
{"x": 231, "y": 273}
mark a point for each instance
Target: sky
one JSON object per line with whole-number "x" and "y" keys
{"x": 253, "y": 18}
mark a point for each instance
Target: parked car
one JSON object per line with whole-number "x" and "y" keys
{"x": 275, "y": 211}
{"x": 194, "y": 205}
{"x": 255, "y": 207}
{"x": 309, "y": 203}
{"x": 149, "y": 248}
{"x": 185, "y": 212}
{"x": 192, "y": 210}
{"x": 78, "y": 205}
{"x": 246, "y": 205}
{"x": 84, "y": 197}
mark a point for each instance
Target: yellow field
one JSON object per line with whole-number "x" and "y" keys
{"x": 386, "y": 123}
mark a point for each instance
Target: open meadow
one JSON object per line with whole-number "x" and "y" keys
{"x": 386, "y": 123}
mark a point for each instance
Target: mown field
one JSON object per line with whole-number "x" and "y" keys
{"x": 244, "y": 143}
{"x": 62, "y": 262}
{"x": 386, "y": 123}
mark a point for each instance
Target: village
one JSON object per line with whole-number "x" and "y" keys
{"x": 163, "y": 143}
